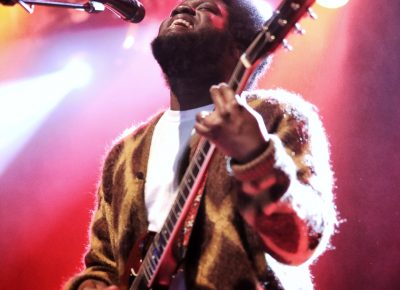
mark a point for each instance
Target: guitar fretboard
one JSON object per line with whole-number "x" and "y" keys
{"x": 155, "y": 251}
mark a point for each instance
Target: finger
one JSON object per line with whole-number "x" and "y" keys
{"x": 207, "y": 124}
{"x": 219, "y": 102}
{"x": 203, "y": 130}
{"x": 225, "y": 99}
{"x": 227, "y": 93}
{"x": 233, "y": 103}
{"x": 210, "y": 120}
{"x": 201, "y": 116}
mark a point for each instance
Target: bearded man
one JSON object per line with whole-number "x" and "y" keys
{"x": 261, "y": 222}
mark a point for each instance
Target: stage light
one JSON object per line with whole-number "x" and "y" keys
{"x": 264, "y": 7}
{"x": 128, "y": 42}
{"x": 333, "y": 4}
{"x": 25, "y": 104}
{"x": 78, "y": 72}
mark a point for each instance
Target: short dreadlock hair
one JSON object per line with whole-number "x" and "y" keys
{"x": 244, "y": 21}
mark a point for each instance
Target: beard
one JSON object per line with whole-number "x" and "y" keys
{"x": 199, "y": 57}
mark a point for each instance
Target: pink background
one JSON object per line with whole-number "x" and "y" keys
{"x": 348, "y": 64}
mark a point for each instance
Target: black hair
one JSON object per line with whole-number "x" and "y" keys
{"x": 244, "y": 21}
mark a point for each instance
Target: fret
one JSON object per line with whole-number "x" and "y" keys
{"x": 175, "y": 213}
{"x": 170, "y": 226}
{"x": 177, "y": 204}
{"x": 192, "y": 175}
{"x": 150, "y": 267}
{"x": 156, "y": 240}
{"x": 160, "y": 248}
{"x": 189, "y": 181}
{"x": 153, "y": 263}
{"x": 201, "y": 157}
{"x": 155, "y": 253}
{"x": 195, "y": 169}
{"x": 237, "y": 77}
{"x": 173, "y": 218}
{"x": 204, "y": 150}
{"x": 207, "y": 147}
{"x": 181, "y": 200}
{"x": 149, "y": 253}
{"x": 198, "y": 160}
{"x": 160, "y": 243}
{"x": 165, "y": 232}
{"x": 185, "y": 190}
{"x": 147, "y": 275}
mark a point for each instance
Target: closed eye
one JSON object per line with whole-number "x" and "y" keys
{"x": 210, "y": 8}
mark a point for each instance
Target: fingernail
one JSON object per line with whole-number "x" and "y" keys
{"x": 204, "y": 114}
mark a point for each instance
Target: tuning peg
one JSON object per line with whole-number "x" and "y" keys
{"x": 287, "y": 45}
{"x": 312, "y": 14}
{"x": 298, "y": 29}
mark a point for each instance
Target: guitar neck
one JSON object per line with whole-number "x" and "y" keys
{"x": 186, "y": 193}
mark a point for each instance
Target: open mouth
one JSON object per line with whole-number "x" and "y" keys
{"x": 182, "y": 23}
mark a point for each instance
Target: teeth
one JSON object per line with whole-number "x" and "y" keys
{"x": 182, "y": 22}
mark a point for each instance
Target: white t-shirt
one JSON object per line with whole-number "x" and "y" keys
{"x": 170, "y": 138}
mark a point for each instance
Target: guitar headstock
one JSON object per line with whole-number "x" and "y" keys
{"x": 274, "y": 31}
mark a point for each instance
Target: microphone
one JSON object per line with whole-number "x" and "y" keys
{"x": 128, "y": 10}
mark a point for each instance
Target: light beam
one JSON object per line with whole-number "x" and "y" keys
{"x": 25, "y": 104}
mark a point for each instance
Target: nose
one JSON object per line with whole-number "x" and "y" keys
{"x": 183, "y": 9}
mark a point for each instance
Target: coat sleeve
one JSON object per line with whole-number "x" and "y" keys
{"x": 286, "y": 192}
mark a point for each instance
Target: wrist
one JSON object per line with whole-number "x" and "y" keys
{"x": 92, "y": 284}
{"x": 252, "y": 154}
{"x": 251, "y": 169}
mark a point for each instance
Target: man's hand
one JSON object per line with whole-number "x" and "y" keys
{"x": 96, "y": 285}
{"x": 235, "y": 128}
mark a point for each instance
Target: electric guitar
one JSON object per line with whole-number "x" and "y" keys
{"x": 157, "y": 267}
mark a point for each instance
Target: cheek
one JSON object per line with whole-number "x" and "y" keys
{"x": 163, "y": 27}
{"x": 218, "y": 22}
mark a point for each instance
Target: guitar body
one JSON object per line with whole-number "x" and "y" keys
{"x": 135, "y": 277}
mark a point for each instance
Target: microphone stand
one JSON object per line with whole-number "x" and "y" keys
{"x": 128, "y": 10}
{"x": 28, "y": 5}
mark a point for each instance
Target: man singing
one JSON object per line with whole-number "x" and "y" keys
{"x": 267, "y": 207}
